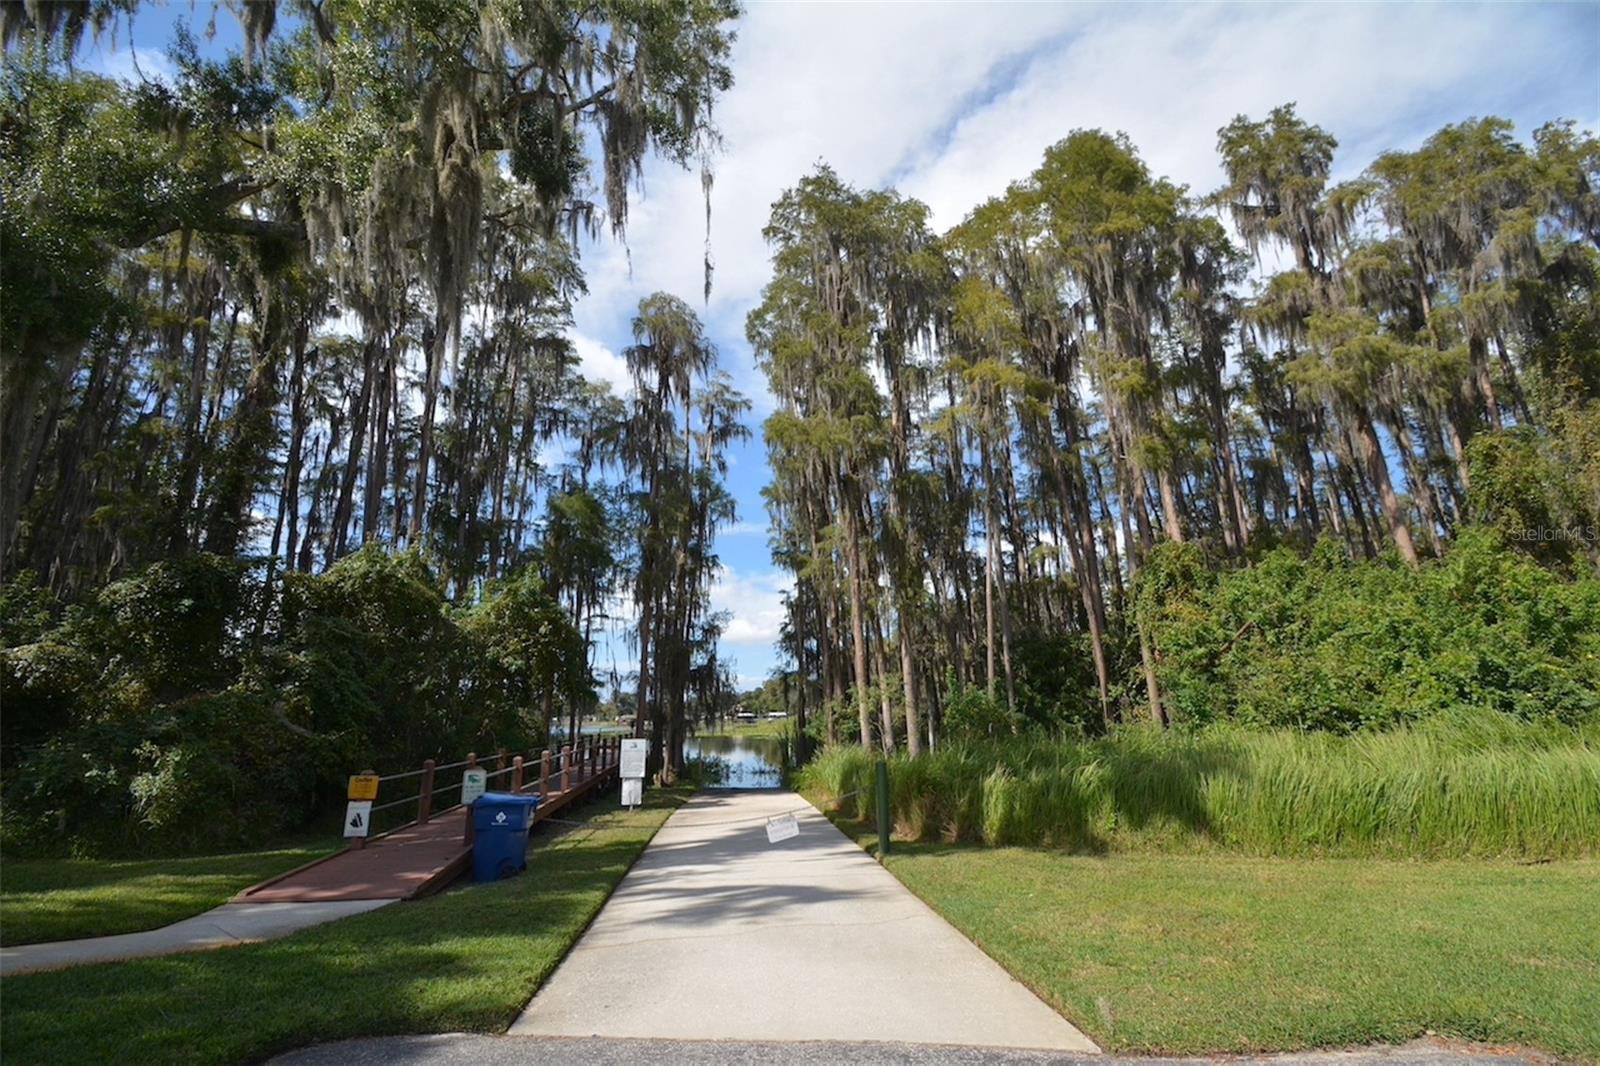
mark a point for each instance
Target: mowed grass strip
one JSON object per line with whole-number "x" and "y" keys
{"x": 68, "y": 899}
{"x": 467, "y": 960}
{"x": 1194, "y": 954}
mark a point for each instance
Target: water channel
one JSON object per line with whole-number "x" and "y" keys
{"x": 748, "y": 762}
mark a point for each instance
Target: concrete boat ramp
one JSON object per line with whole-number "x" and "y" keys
{"x": 718, "y": 934}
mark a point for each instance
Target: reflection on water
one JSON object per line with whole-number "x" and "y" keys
{"x": 750, "y": 762}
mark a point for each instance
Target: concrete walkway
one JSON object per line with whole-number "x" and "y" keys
{"x": 231, "y": 923}
{"x": 717, "y": 934}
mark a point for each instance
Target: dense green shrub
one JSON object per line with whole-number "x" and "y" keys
{"x": 846, "y": 722}
{"x": 973, "y": 714}
{"x": 1324, "y": 642}
{"x": 1457, "y": 784}
{"x": 525, "y": 650}
{"x": 369, "y": 660}
{"x": 1525, "y": 489}
{"x": 1055, "y": 681}
{"x": 195, "y": 705}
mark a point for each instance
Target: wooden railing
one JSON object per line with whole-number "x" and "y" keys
{"x": 565, "y": 767}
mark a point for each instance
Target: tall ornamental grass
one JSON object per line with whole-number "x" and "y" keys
{"x": 1456, "y": 785}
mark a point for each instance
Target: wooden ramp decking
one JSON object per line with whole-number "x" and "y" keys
{"x": 408, "y": 862}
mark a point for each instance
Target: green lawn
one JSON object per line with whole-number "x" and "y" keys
{"x": 65, "y": 899}
{"x": 764, "y": 727}
{"x": 1191, "y": 954}
{"x": 467, "y": 960}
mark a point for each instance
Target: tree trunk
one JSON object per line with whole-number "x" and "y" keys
{"x": 885, "y": 705}
{"x": 344, "y": 508}
{"x": 1484, "y": 382}
{"x": 858, "y": 629}
{"x": 1152, "y": 687}
{"x": 1380, "y": 476}
{"x": 434, "y": 344}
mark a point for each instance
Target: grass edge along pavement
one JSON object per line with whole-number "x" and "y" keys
{"x": 1215, "y": 954}
{"x": 462, "y": 961}
{"x": 44, "y": 900}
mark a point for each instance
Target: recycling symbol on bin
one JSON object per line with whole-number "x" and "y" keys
{"x": 500, "y": 819}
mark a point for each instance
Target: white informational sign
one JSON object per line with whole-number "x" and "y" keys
{"x": 782, "y": 827}
{"x": 358, "y": 818}
{"x": 632, "y": 791}
{"x": 474, "y": 783}
{"x": 634, "y": 752}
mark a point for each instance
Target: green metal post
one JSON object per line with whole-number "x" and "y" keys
{"x": 883, "y": 808}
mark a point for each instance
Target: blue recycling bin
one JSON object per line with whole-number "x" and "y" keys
{"x": 500, "y": 824}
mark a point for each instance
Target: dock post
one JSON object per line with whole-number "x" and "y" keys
{"x": 566, "y": 767}
{"x": 544, "y": 774}
{"x": 466, "y": 832}
{"x": 516, "y": 774}
{"x": 425, "y": 796}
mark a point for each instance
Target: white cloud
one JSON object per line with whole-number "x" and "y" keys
{"x": 1170, "y": 76}
{"x": 129, "y": 63}
{"x": 598, "y": 363}
{"x": 755, "y": 603}
{"x": 744, "y": 529}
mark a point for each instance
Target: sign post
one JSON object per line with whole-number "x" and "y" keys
{"x": 635, "y": 750}
{"x": 884, "y": 826}
{"x": 362, "y": 790}
{"x": 358, "y": 820}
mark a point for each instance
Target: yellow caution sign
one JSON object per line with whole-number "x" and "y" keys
{"x": 363, "y": 787}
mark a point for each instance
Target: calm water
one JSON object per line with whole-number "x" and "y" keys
{"x": 751, "y": 762}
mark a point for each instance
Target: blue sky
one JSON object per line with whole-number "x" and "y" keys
{"x": 951, "y": 101}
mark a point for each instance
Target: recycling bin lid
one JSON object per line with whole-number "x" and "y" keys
{"x": 507, "y": 799}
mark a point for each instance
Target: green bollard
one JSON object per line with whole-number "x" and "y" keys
{"x": 883, "y": 808}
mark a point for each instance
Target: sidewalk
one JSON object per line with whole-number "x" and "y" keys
{"x": 231, "y": 923}
{"x": 717, "y": 934}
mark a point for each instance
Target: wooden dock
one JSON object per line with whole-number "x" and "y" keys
{"x": 425, "y": 855}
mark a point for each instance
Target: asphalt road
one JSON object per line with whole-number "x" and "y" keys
{"x": 462, "y": 1049}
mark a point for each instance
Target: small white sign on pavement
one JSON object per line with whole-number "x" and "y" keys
{"x": 474, "y": 783}
{"x": 782, "y": 827}
{"x": 358, "y": 818}
{"x": 632, "y": 791}
{"x": 634, "y": 751}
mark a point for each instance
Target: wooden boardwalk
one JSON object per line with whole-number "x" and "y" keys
{"x": 411, "y": 861}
